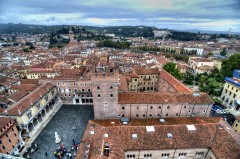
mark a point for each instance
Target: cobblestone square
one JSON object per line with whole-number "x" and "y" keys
{"x": 65, "y": 119}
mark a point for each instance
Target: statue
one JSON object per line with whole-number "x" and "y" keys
{"x": 57, "y": 138}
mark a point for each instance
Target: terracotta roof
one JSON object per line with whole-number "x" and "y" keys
{"x": 23, "y": 105}
{"x": 175, "y": 83}
{"x": 122, "y": 87}
{"x": 201, "y": 60}
{"x": 162, "y": 97}
{"x": 162, "y": 60}
{"x": 4, "y": 121}
{"x": 18, "y": 95}
{"x": 120, "y": 137}
{"x": 146, "y": 71}
{"x": 26, "y": 87}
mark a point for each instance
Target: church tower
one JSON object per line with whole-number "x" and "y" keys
{"x": 71, "y": 35}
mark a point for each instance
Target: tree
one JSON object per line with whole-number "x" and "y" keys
{"x": 223, "y": 52}
{"x": 228, "y": 65}
{"x": 171, "y": 68}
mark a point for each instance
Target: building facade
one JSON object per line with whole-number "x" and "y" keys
{"x": 10, "y": 141}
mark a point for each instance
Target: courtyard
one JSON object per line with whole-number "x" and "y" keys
{"x": 70, "y": 123}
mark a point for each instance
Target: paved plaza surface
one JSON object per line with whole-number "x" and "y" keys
{"x": 65, "y": 119}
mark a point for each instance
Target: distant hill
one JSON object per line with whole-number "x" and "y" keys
{"x": 98, "y": 32}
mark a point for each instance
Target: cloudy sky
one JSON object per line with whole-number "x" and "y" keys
{"x": 216, "y": 15}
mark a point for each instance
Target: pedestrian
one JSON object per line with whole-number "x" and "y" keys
{"x": 46, "y": 154}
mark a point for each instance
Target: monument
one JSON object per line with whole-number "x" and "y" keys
{"x": 57, "y": 138}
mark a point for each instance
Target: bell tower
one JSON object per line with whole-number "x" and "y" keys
{"x": 71, "y": 35}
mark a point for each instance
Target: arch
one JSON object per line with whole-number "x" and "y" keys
{"x": 47, "y": 108}
{"x": 24, "y": 133}
{"x": 159, "y": 107}
{"x": 150, "y": 115}
{"x": 39, "y": 117}
{"x": 30, "y": 127}
{"x": 87, "y": 100}
{"x": 50, "y": 106}
{"x": 144, "y": 115}
{"x": 137, "y": 115}
{"x": 77, "y": 100}
{"x": 151, "y": 107}
{"x": 83, "y": 101}
{"x": 123, "y": 115}
{"x": 43, "y": 113}
{"x": 91, "y": 101}
{"x": 35, "y": 121}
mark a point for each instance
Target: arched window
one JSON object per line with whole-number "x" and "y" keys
{"x": 150, "y": 115}
{"x": 159, "y": 107}
{"x": 185, "y": 107}
{"x": 99, "y": 95}
{"x": 123, "y": 115}
{"x": 137, "y": 115}
{"x": 111, "y": 95}
{"x": 144, "y": 115}
{"x": 123, "y": 107}
{"x": 168, "y": 107}
{"x": 167, "y": 114}
{"x": 111, "y": 87}
{"x": 98, "y": 88}
{"x": 151, "y": 107}
{"x": 177, "y": 114}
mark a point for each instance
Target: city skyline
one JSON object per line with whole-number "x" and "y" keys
{"x": 216, "y": 15}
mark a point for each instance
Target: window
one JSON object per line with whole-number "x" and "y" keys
{"x": 150, "y": 115}
{"x": 46, "y": 98}
{"x": 158, "y": 115}
{"x": 98, "y": 95}
{"x": 135, "y": 79}
{"x": 159, "y": 107}
{"x": 38, "y": 105}
{"x": 98, "y": 88}
{"x": 123, "y": 115}
{"x": 137, "y": 115}
{"x": 82, "y": 90}
{"x": 9, "y": 140}
{"x": 165, "y": 155}
{"x": 15, "y": 134}
{"x": 111, "y": 87}
{"x": 111, "y": 95}
{"x": 167, "y": 114}
{"x": 234, "y": 95}
{"x": 185, "y": 107}
{"x": 3, "y": 147}
{"x": 12, "y": 129}
{"x": 199, "y": 153}
{"x": 123, "y": 107}
{"x": 137, "y": 107}
{"x": 130, "y": 156}
{"x": 182, "y": 154}
{"x": 144, "y": 115}
{"x": 147, "y": 156}
{"x": 177, "y": 114}
{"x": 13, "y": 146}
{"x": 236, "y": 125}
{"x": 168, "y": 107}
{"x": 29, "y": 114}
{"x": 89, "y": 90}
{"x": 151, "y": 107}
{"x": 0, "y": 141}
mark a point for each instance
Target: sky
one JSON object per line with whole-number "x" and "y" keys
{"x": 213, "y": 15}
